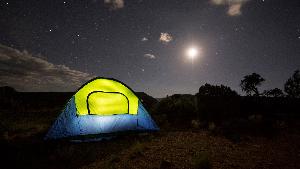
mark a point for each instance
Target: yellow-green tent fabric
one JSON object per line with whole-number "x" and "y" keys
{"x": 99, "y": 95}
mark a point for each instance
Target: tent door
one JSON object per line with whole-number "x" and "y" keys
{"x": 107, "y": 103}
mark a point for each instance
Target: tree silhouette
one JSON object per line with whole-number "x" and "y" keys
{"x": 215, "y": 90}
{"x": 273, "y": 93}
{"x": 250, "y": 82}
{"x": 292, "y": 85}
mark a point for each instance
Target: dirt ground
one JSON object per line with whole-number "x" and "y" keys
{"x": 164, "y": 149}
{"x": 182, "y": 148}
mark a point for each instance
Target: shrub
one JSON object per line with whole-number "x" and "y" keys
{"x": 211, "y": 126}
{"x": 201, "y": 161}
{"x": 215, "y": 90}
{"x": 195, "y": 124}
{"x": 178, "y": 108}
{"x": 292, "y": 86}
{"x": 273, "y": 93}
{"x": 137, "y": 150}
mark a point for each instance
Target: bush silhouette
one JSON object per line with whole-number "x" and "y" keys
{"x": 178, "y": 108}
{"x": 215, "y": 90}
{"x": 273, "y": 93}
{"x": 292, "y": 85}
{"x": 215, "y": 102}
{"x": 250, "y": 83}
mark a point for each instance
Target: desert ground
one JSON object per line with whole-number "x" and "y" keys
{"x": 24, "y": 126}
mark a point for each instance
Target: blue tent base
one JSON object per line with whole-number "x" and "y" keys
{"x": 104, "y": 137}
{"x": 69, "y": 125}
{"x": 90, "y": 139}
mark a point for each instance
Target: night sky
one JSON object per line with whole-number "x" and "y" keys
{"x": 53, "y": 45}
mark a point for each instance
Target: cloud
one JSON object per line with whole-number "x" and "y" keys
{"x": 234, "y": 6}
{"x": 26, "y": 72}
{"x": 144, "y": 39}
{"x": 114, "y": 4}
{"x": 234, "y": 10}
{"x": 165, "y": 37}
{"x": 149, "y": 56}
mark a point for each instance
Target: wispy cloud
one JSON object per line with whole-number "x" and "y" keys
{"x": 234, "y": 6}
{"x": 25, "y": 72}
{"x": 234, "y": 10}
{"x": 144, "y": 39}
{"x": 149, "y": 56}
{"x": 165, "y": 37}
{"x": 114, "y": 4}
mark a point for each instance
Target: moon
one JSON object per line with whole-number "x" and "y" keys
{"x": 192, "y": 53}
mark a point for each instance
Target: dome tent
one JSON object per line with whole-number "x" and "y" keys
{"x": 99, "y": 109}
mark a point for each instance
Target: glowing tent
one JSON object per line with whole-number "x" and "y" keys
{"x": 100, "y": 108}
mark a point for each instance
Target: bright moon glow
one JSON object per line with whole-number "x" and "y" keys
{"x": 192, "y": 52}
